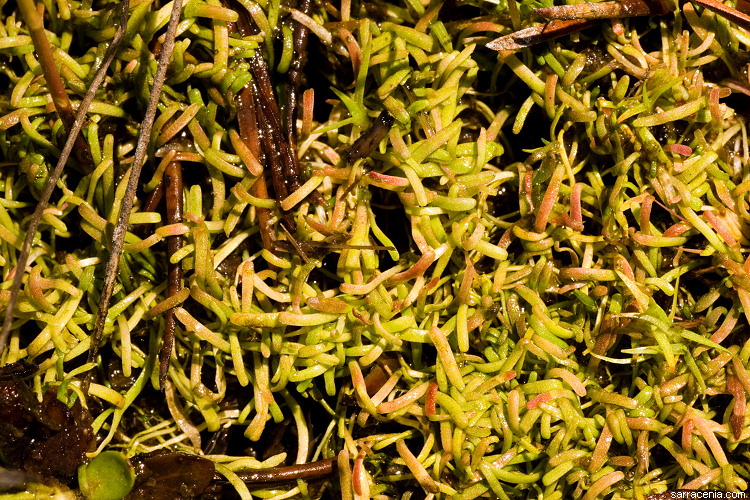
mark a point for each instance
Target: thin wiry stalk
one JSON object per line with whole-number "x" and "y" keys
{"x": 118, "y": 235}
{"x": 154, "y": 197}
{"x": 52, "y": 182}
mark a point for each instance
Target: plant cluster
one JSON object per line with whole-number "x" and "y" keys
{"x": 369, "y": 256}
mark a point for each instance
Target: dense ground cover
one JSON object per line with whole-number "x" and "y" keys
{"x": 392, "y": 262}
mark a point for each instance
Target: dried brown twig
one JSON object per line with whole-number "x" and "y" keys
{"x": 740, "y": 19}
{"x": 538, "y": 34}
{"x": 568, "y": 19}
{"x": 118, "y": 235}
{"x": 604, "y": 10}
{"x": 250, "y": 135}
{"x": 265, "y": 122}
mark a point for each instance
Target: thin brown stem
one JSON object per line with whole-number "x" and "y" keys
{"x": 260, "y": 190}
{"x": 568, "y": 19}
{"x": 296, "y": 68}
{"x": 118, "y": 235}
{"x": 294, "y": 77}
{"x": 273, "y": 154}
{"x": 52, "y": 182}
{"x": 152, "y": 201}
{"x": 278, "y": 475}
{"x": 173, "y": 191}
{"x": 295, "y": 245}
{"x": 154, "y": 197}
{"x": 250, "y": 134}
{"x": 294, "y": 74}
{"x": 251, "y": 137}
{"x": 285, "y": 170}
{"x": 737, "y": 17}
{"x": 35, "y": 23}
{"x": 285, "y": 177}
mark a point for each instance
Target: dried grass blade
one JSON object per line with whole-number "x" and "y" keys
{"x": 538, "y": 34}
{"x": 603, "y": 10}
